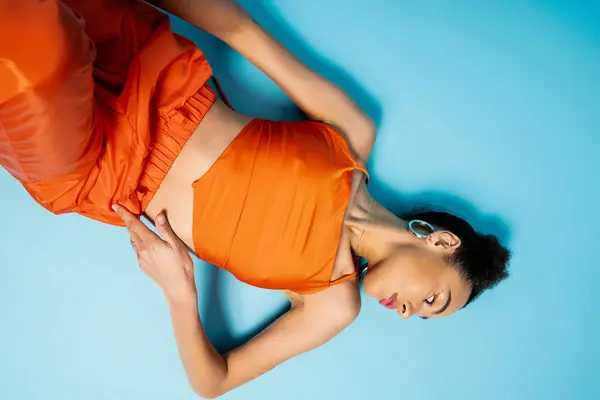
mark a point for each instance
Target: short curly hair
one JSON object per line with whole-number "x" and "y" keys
{"x": 481, "y": 259}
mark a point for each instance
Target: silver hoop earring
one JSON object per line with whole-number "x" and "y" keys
{"x": 420, "y": 228}
{"x": 363, "y": 273}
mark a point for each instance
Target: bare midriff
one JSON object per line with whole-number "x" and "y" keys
{"x": 175, "y": 195}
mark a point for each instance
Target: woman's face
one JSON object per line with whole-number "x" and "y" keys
{"x": 417, "y": 280}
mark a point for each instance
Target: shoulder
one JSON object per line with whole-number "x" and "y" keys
{"x": 348, "y": 298}
{"x": 339, "y": 305}
{"x": 360, "y": 140}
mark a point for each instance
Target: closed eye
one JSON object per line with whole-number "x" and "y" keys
{"x": 430, "y": 300}
{"x": 443, "y": 308}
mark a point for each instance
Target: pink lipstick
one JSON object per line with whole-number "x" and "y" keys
{"x": 391, "y": 302}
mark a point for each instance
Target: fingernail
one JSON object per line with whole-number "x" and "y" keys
{"x": 161, "y": 218}
{"x": 114, "y": 207}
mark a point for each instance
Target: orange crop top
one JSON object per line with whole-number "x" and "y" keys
{"x": 270, "y": 209}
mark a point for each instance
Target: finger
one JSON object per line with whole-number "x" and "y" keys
{"x": 132, "y": 222}
{"x": 136, "y": 242}
{"x": 164, "y": 228}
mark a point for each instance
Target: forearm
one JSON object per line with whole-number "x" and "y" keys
{"x": 220, "y": 18}
{"x": 316, "y": 96}
{"x": 205, "y": 367}
{"x": 167, "y": 262}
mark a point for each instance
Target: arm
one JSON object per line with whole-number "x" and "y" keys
{"x": 310, "y": 322}
{"x": 304, "y": 327}
{"x": 317, "y": 97}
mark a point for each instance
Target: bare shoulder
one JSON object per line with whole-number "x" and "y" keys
{"x": 360, "y": 139}
{"x": 338, "y": 305}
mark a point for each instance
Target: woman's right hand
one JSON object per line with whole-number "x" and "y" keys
{"x": 166, "y": 261}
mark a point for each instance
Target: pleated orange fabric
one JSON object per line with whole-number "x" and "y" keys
{"x": 270, "y": 210}
{"x": 97, "y": 98}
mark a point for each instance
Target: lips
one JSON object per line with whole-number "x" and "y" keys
{"x": 391, "y": 302}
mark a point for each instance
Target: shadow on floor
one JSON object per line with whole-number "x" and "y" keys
{"x": 215, "y": 318}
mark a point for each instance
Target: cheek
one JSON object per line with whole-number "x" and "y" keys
{"x": 412, "y": 281}
{"x": 414, "y": 284}
{"x": 385, "y": 279}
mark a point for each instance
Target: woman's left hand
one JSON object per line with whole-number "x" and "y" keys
{"x": 166, "y": 261}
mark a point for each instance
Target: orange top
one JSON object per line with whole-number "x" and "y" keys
{"x": 270, "y": 209}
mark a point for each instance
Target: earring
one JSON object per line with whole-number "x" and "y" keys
{"x": 363, "y": 273}
{"x": 420, "y": 229}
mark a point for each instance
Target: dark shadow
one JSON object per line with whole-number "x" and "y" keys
{"x": 252, "y": 103}
{"x": 215, "y": 319}
{"x": 440, "y": 201}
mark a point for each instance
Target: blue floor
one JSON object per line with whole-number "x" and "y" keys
{"x": 490, "y": 108}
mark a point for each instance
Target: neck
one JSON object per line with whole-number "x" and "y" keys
{"x": 382, "y": 232}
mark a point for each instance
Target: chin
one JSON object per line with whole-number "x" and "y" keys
{"x": 368, "y": 288}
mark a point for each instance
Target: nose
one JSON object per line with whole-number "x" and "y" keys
{"x": 405, "y": 310}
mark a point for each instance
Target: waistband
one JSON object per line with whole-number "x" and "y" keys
{"x": 174, "y": 130}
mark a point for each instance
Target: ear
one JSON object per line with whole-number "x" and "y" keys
{"x": 444, "y": 241}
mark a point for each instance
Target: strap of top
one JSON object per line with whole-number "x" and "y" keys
{"x": 364, "y": 171}
{"x": 228, "y": 104}
{"x": 343, "y": 278}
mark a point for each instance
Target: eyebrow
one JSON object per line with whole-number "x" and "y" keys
{"x": 445, "y": 306}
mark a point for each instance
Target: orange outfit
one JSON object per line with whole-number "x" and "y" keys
{"x": 270, "y": 209}
{"x": 97, "y": 98}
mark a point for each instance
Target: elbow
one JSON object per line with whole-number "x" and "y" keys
{"x": 208, "y": 395}
{"x": 213, "y": 390}
{"x": 208, "y": 388}
{"x": 209, "y": 392}
{"x": 210, "y": 383}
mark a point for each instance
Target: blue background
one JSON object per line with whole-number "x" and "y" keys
{"x": 490, "y": 108}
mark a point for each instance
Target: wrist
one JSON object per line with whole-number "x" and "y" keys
{"x": 182, "y": 298}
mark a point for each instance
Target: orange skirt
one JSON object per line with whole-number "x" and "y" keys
{"x": 97, "y": 99}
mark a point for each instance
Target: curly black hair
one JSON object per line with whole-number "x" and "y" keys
{"x": 481, "y": 259}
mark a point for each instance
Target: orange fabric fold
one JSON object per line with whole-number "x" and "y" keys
{"x": 97, "y": 98}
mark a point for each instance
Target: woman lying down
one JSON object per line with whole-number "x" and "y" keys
{"x": 112, "y": 118}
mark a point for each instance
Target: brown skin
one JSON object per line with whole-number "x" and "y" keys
{"x": 312, "y": 319}
{"x": 414, "y": 270}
